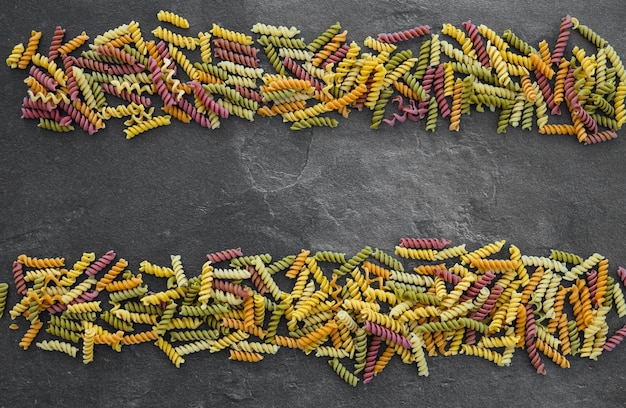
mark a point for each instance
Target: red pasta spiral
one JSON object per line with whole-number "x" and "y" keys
{"x": 387, "y": 334}
{"x": 191, "y": 110}
{"x": 592, "y": 283}
{"x": 116, "y": 53}
{"x": 57, "y": 308}
{"x": 100, "y": 263}
{"x": 39, "y": 104}
{"x": 207, "y": 100}
{"x": 164, "y": 53}
{"x": 473, "y": 290}
{"x": 257, "y": 281}
{"x": 529, "y": 341}
{"x": 570, "y": 93}
{"x": 55, "y": 43}
{"x": 236, "y": 47}
{"x": 601, "y": 136}
{"x": 298, "y": 71}
{"x": 116, "y": 69}
{"x": 230, "y": 287}
{"x": 41, "y": 77}
{"x": 78, "y": 117}
{"x": 85, "y": 297}
{"x": 159, "y": 84}
{"x": 236, "y": 57}
{"x": 18, "y": 278}
{"x": 427, "y": 84}
{"x": 62, "y": 120}
{"x": 336, "y": 56}
{"x": 72, "y": 85}
{"x": 440, "y": 96}
{"x": 370, "y": 359}
{"x": 404, "y": 35}
{"x": 249, "y": 93}
{"x": 476, "y": 38}
{"x": 360, "y": 101}
{"x": 447, "y": 276}
{"x": 561, "y": 41}
{"x": 224, "y": 255}
{"x": 587, "y": 120}
{"x": 424, "y": 243}
{"x": 486, "y": 308}
{"x": 127, "y": 96}
{"x": 615, "y": 339}
{"x": 93, "y": 65}
{"x": 621, "y": 272}
{"x": 470, "y": 337}
{"x": 546, "y": 91}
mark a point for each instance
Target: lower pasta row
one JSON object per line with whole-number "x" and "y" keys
{"x": 427, "y": 299}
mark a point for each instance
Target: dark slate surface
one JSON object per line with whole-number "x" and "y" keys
{"x": 187, "y": 190}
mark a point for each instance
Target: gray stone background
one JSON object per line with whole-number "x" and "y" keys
{"x": 187, "y": 190}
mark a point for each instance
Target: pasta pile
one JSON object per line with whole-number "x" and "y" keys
{"x": 428, "y": 299}
{"x": 215, "y": 74}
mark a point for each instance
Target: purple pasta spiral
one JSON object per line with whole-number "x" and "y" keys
{"x": 225, "y": 255}
{"x": 127, "y": 96}
{"x": 298, "y": 71}
{"x": 404, "y": 35}
{"x": 370, "y": 359}
{"x": 476, "y": 38}
{"x": 236, "y": 57}
{"x": 529, "y": 341}
{"x": 615, "y": 339}
{"x": 387, "y": 334}
{"x": 486, "y": 308}
{"x": 100, "y": 263}
{"x": 236, "y": 47}
{"x": 207, "y": 101}
{"x": 473, "y": 290}
{"x": 424, "y": 243}
{"x": 561, "y": 41}
{"x": 49, "y": 83}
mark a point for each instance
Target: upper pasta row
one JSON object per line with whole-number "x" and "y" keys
{"x": 121, "y": 74}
